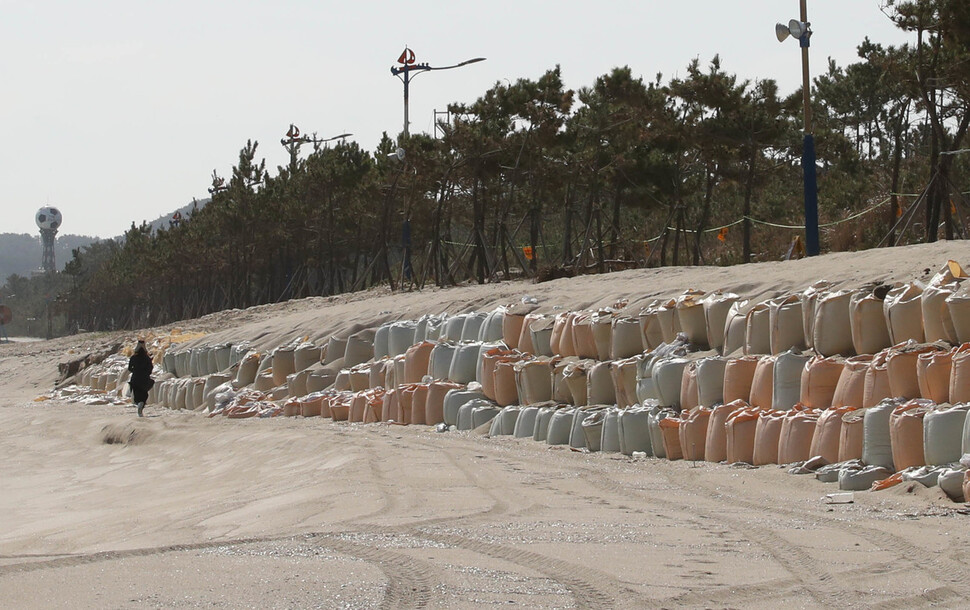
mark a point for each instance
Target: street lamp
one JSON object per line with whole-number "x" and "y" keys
{"x": 293, "y": 141}
{"x": 408, "y": 67}
{"x": 800, "y": 30}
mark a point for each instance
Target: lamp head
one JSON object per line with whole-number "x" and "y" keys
{"x": 797, "y": 28}
{"x": 397, "y": 154}
{"x": 781, "y": 31}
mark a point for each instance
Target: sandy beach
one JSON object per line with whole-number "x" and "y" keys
{"x": 101, "y": 509}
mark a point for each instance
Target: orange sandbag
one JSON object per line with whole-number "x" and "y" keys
{"x": 852, "y": 435}
{"x": 877, "y": 386}
{"x": 850, "y": 391}
{"x": 888, "y": 482}
{"x": 960, "y": 375}
{"x": 582, "y": 332}
{"x": 405, "y": 402}
{"x": 419, "y": 400}
{"x": 416, "y": 360}
{"x": 670, "y": 430}
{"x": 693, "y": 432}
{"x": 819, "y": 380}
{"x": 506, "y": 392}
{"x": 906, "y": 433}
{"x": 373, "y": 401}
{"x": 901, "y": 364}
{"x": 933, "y": 375}
{"x": 434, "y": 406}
{"x": 688, "y": 387}
{"x": 797, "y": 432}
{"x": 389, "y": 408}
{"x": 311, "y": 405}
{"x": 340, "y": 406}
{"x": 525, "y": 343}
{"x": 740, "y": 431}
{"x": 766, "y": 436}
{"x": 512, "y": 328}
{"x": 827, "y": 436}
{"x": 738, "y": 375}
{"x": 715, "y": 442}
{"x": 762, "y": 384}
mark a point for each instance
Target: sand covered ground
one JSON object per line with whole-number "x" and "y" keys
{"x": 100, "y": 509}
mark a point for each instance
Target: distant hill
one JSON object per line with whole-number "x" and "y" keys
{"x": 22, "y": 253}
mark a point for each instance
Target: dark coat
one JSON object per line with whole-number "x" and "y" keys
{"x": 140, "y": 365}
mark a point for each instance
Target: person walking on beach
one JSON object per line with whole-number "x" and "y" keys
{"x": 140, "y": 365}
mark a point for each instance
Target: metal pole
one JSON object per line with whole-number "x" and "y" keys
{"x": 808, "y": 148}
{"x": 406, "y": 79}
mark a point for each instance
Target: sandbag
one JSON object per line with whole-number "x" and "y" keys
{"x": 429, "y": 327}
{"x": 560, "y": 385}
{"x": 633, "y": 430}
{"x": 797, "y": 432}
{"x": 933, "y": 375}
{"x": 827, "y": 436}
{"x": 400, "y": 337}
{"x": 906, "y": 433}
{"x": 877, "y": 435}
{"x": 625, "y": 341}
{"x": 489, "y": 361}
{"x": 359, "y": 378}
{"x": 506, "y": 391}
{"x": 576, "y": 374}
{"x": 582, "y": 333}
{"x": 903, "y": 312}
{"x": 757, "y": 330}
{"x": 533, "y": 380}
{"x": 465, "y": 362}
{"x": 943, "y": 434}
{"x": 735, "y": 328}
{"x": 624, "y": 376}
{"x": 454, "y": 400}
{"x": 937, "y": 321}
{"x": 690, "y": 317}
{"x": 809, "y": 298}
{"x": 716, "y": 307}
{"x": 360, "y": 348}
{"x": 434, "y": 408}
{"x": 710, "y": 380}
{"x": 670, "y": 434}
{"x": 492, "y": 326}
{"x": 762, "y": 383}
{"x": 766, "y": 437}
{"x": 876, "y": 386}
{"x": 483, "y": 414}
{"x": 901, "y": 365}
{"x": 473, "y": 326}
{"x": 416, "y": 361}
{"x": 651, "y": 335}
{"x": 832, "y": 331}
{"x": 785, "y": 324}
{"x": 861, "y": 479}
{"x": 688, "y": 387}
{"x": 543, "y": 419}
{"x": 601, "y": 325}
{"x": 667, "y": 377}
{"x": 380, "y": 345}
{"x": 959, "y": 386}
{"x": 740, "y": 432}
{"x": 870, "y": 333}
{"x": 248, "y": 367}
{"x": 787, "y": 379}
{"x": 850, "y": 390}
{"x": 452, "y": 328}
{"x": 592, "y": 428}
{"x": 820, "y": 377}
{"x": 560, "y": 426}
{"x": 599, "y": 385}
{"x": 525, "y": 424}
{"x": 738, "y": 377}
{"x": 656, "y": 413}
{"x": 512, "y": 327}
{"x": 852, "y": 435}
{"x": 504, "y": 422}
{"x": 562, "y": 334}
{"x": 715, "y": 441}
{"x": 951, "y": 482}
{"x": 693, "y": 432}
{"x": 610, "y": 435}
{"x": 540, "y": 332}
{"x": 440, "y": 359}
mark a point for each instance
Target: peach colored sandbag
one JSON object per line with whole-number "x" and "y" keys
{"x": 506, "y": 392}
{"x": 525, "y": 344}
{"x": 599, "y": 385}
{"x": 901, "y": 365}
{"x": 762, "y": 383}
{"x": 693, "y": 432}
{"x": 373, "y": 400}
{"x": 311, "y": 405}
{"x": 876, "y": 386}
{"x": 416, "y": 360}
{"x": 490, "y": 361}
{"x": 933, "y": 375}
{"x": 651, "y": 335}
{"x": 906, "y": 433}
{"x": 797, "y": 432}
{"x": 738, "y": 375}
{"x": 602, "y": 326}
{"x": 688, "y": 387}
{"x": 852, "y": 435}
{"x": 819, "y": 380}
{"x": 533, "y": 379}
{"x": 740, "y": 432}
{"x": 292, "y": 408}
{"x": 434, "y": 406}
{"x": 670, "y": 429}
{"x": 960, "y": 375}
{"x": 715, "y": 444}
{"x": 512, "y": 328}
{"x": 624, "y": 375}
{"x": 389, "y": 407}
{"x": 766, "y": 436}
{"x": 827, "y": 435}
{"x": 850, "y": 391}
{"x": 419, "y": 400}
{"x": 405, "y": 402}
{"x": 558, "y": 329}
{"x": 582, "y": 332}
{"x": 576, "y": 374}
{"x": 340, "y": 405}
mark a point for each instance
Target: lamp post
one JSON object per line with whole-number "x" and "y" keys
{"x": 409, "y": 67}
{"x": 293, "y": 141}
{"x": 800, "y": 30}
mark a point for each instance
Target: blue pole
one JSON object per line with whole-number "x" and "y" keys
{"x": 811, "y": 195}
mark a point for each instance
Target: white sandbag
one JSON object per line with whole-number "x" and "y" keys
{"x": 599, "y": 385}
{"x": 657, "y": 413}
{"x": 482, "y": 414}
{"x": 757, "y": 330}
{"x": 465, "y": 363}
{"x": 455, "y": 400}
{"x": 710, "y": 380}
{"x": 651, "y": 335}
{"x": 832, "y": 327}
{"x": 592, "y": 429}
{"x": 212, "y": 384}
{"x": 735, "y": 327}
{"x": 633, "y": 430}
{"x": 296, "y": 384}
{"x": 937, "y": 322}
{"x": 337, "y": 347}
{"x": 943, "y": 434}
{"x": 667, "y": 376}
{"x": 560, "y": 426}
{"x": 439, "y": 364}
{"x": 716, "y": 307}
{"x": 601, "y": 327}
{"x": 320, "y": 380}
{"x": 541, "y": 332}
{"x": 787, "y": 379}
{"x": 877, "y": 447}
{"x": 625, "y": 339}
{"x": 958, "y": 306}
{"x": 453, "y": 327}
{"x": 646, "y": 389}
{"x": 577, "y": 438}
{"x": 690, "y": 317}
{"x": 283, "y": 365}
{"x": 610, "y": 436}
{"x": 543, "y": 419}
{"x": 668, "y": 320}
{"x": 852, "y": 479}
{"x": 785, "y": 324}
{"x": 400, "y": 337}
{"x": 525, "y": 424}
{"x": 809, "y": 298}
{"x": 248, "y": 369}
{"x": 506, "y": 421}
{"x": 473, "y": 325}
{"x": 904, "y": 314}
{"x": 870, "y": 333}
{"x": 360, "y": 348}
{"x": 951, "y": 482}
{"x": 464, "y": 417}
{"x": 380, "y": 345}
{"x": 491, "y": 329}
{"x": 305, "y": 355}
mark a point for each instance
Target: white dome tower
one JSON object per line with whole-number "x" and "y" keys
{"x": 48, "y": 220}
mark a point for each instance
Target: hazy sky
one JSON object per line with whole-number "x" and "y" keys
{"x": 118, "y": 111}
